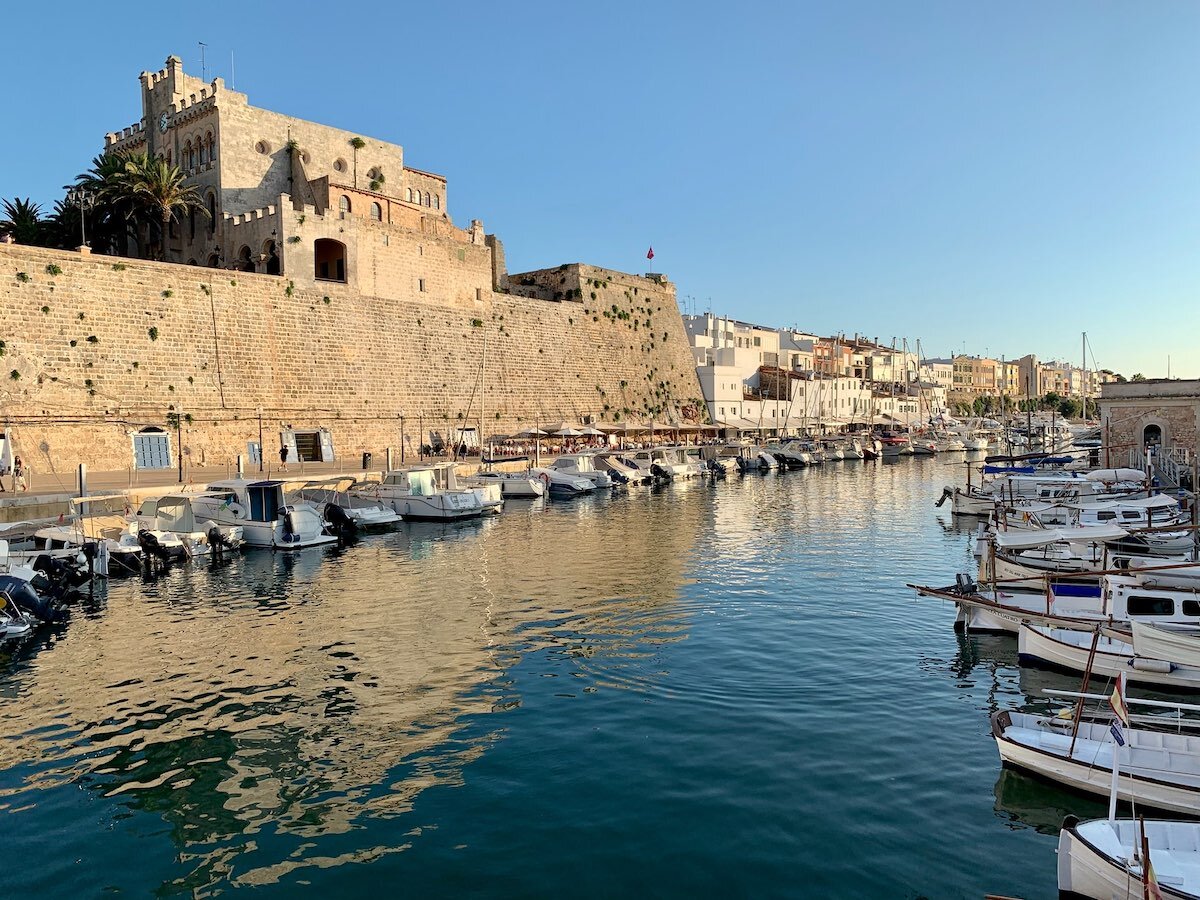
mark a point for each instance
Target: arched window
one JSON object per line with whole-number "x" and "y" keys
{"x": 437, "y": 202}
{"x": 201, "y": 152}
{"x": 427, "y": 198}
{"x": 213, "y": 260}
{"x": 343, "y": 206}
{"x": 244, "y": 262}
{"x": 189, "y": 158}
{"x": 329, "y": 257}
{"x": 271, "y": 263}
{"x": 212, "y": 147}
{"x": 212, "y": 213}
{"x": 376, "y": 212}
{"x": 410, "y": 200}
{"x": 192, "y": 223}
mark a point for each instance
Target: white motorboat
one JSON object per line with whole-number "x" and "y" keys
{"x": 620, "y": 470}
{"x": 1025, "y": 483}
{"x": 265, "y": 516}
{"x": 1102, "y": 859}
{"x": 415, "y": 494}
{"x": 174, "y": 514}
{"x": 563, "y": 484}
{"x": 513, "y": 485}
{"x": 491, "y": 496}
{"x": 661, "y": 462}
{"x": 352, "y": 499}
{"x": 102, "y": 519}
{"x": 832, "y": 451}
{"x": 582, "y": 465}
{"x": 1068, "y": 650}
{"x": 1158, "y": 769}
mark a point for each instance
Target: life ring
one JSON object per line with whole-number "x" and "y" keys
{"x": 236, "y": 510}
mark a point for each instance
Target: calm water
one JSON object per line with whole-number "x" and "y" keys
{"x": 704, "y": 690}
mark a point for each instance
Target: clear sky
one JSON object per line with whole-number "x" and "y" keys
{"x": 994, "y": 176}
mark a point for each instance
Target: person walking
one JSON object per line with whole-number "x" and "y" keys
{"x": 283, "y": 455}
{"x": 19, "y": 475}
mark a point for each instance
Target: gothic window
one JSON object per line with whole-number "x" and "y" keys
{"x": 329, "y": 257}
{"x": 192, "y": 223}
{"x": 212, "y": 212}
{"x": 189, "y": 155}
{"x": 427, "y": 198}
{"x": 212, "y": 147}
{"x": 376, "y": 212}
{"x": 344, "y": 206}
{"x": 437, "y": 202}
{"x": 410, "y": 200}
{"x": 201, "y": 152}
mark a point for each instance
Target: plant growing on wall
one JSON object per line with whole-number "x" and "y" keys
{"x": 153, "y": 332}
{"x": 45, "y": 310}
{"x": 118, "y": 267}
{"x": 53, "y": 270}
{"x": 294, "y": 239}
{"x": 357, "y": 143}
{"x": 14, "y": 375}
{"x": 23, "y": 278}
{"x": 168, "y": 294}
{"x": 92, "y": 339}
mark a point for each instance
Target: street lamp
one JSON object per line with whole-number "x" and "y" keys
{"x": 86, "y": 200}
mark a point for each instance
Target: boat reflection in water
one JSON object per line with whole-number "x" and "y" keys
{"x": 1031, "y": 802}
{"x": 257, "y": 704}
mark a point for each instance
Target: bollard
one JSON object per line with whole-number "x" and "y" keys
{"x": 241, "y": 464}
{"x": 388, "y": 459}
{"x": 83, "y": 479}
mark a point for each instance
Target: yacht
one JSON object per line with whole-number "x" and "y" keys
{"x": 265, "y": 516}
{"x": 582, "y": 465}
{"x": 358, "y": 509}
{"x": 416, "y": 494}
{"x": 513, "y": 485}
{"x": 174, "y": 514}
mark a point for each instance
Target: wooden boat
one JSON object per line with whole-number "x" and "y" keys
{"x": 1158, "y": 769}
{"x": 1067, "y": 650}
{"x": 1102, "y": 859}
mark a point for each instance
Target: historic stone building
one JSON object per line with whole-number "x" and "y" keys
{"x": 329, "y": 304}
{"x": 291, "y": 197}
{"x": 1160, "y": 412}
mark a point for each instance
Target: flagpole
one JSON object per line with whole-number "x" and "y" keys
{"x": 1118, "y": 742}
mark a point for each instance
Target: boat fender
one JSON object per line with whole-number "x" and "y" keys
{"x": 1158, "y": 666}
{"x": 237, "y": 510}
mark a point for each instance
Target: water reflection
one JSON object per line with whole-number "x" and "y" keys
{"x": 306, "y": 693}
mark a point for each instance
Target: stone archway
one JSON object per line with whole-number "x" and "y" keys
{"x": 1152, "y": 435}
{"x": 329, "y": 259}
{"x": 271, "y": 265}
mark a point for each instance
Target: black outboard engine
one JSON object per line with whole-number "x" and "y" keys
{"x": 340, "y": 522}
{"x": 963, "y": 584}
{"x": 26, "y": 599}
{"x": 715, "y": 469}
{"x": 217, "y": 541}
{"x": 56, "y": 577}
{"x": 661, "y": 472}
{"x": 617, "y": 477}
{"x": 947, "y": 493}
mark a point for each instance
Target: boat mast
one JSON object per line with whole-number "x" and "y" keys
{"x": 482, "y": 394}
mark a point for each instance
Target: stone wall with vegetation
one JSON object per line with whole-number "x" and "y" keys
{"x": 95, "y": 348}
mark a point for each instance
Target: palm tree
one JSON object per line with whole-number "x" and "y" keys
{"x": 113, "y": 215}
{"x": 158, "y": 191}
{"x": 23, "y": 220}
{"x": 357, "y": 143}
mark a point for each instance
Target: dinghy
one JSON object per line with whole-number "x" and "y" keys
{"x": 1103, "y": 859}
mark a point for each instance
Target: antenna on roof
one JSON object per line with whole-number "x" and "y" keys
{"x": 203, "y": 66}
{"x": 232, "y": 73}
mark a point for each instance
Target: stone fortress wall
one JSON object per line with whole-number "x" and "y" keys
{"x": 96, "y": 348}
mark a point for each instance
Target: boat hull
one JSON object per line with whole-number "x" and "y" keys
{"x": 1038, "y": 649}
{"x": 1086, "y": 872}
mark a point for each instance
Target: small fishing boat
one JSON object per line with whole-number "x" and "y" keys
{"x": 1064, "y": 603}
{"x": 1103, "y": 859}
{"x": 582, "y": 465}
{"x": 14, "y": 623}
{"x": 1158, "y": 769}
{"x": 1068, "y": 650}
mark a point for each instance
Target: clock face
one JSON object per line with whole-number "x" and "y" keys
{"x": 163, "y": 121}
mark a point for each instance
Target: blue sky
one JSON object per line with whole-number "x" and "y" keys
{"x": 991, "y": 176}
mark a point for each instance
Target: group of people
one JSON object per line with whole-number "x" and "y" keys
{"x": 18, "y": 475}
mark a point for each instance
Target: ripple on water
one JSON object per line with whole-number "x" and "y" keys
{"x": 697, "y": 690}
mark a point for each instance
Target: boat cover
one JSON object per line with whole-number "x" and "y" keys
{"x": 1024, "y": 540}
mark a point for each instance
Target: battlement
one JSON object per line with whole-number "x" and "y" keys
{"x": 137, "y": 129}
{"x": 267, "y": 212}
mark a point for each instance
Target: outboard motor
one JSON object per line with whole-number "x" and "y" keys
{"x": 340, "y": 522}
{"x": 54, "y": 578}
{"x": 26, "y": 599}
{"x": 715, "y": 469}
{"x": 964, "y": 585}
{"x": 661, "y": 472}
{"x": 290, "y": 534}
{"x": 217, "y": 541}
{"x": 947, "y": 493}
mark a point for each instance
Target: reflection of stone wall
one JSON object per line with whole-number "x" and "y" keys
{"x": 301, "y": 693}
{"x": 96, "y": 348}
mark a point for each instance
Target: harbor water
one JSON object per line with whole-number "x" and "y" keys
{"x": 706, "y": 689}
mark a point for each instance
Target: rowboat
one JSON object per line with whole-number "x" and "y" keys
{"x": 1102, "y": 859}
{"x": 1067, "y": 650}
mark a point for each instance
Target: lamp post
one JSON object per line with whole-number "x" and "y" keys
{"x": 86, "y": 200}
{"x": 179, "y": 440}
{"x": 260, "y": 443}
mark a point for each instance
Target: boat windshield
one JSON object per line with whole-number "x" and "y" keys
{"x": 421, "y": 484}
{"x": 265, "y": 501}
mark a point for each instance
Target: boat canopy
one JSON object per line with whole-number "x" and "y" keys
{"x": 1116, "y": 475}
{"x": 1025, "y": 540}
{"x": 1158, "y": 501}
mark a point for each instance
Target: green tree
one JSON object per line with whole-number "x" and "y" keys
{"x": 1137, "y": 376}
{"x": 357, "y": 143}
{"x": 23, "y": 220}
{"x": 113, "y": 218}
{"x": 158, "y": 192}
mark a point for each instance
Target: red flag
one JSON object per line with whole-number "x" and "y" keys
{"x": 650, "y": 253}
